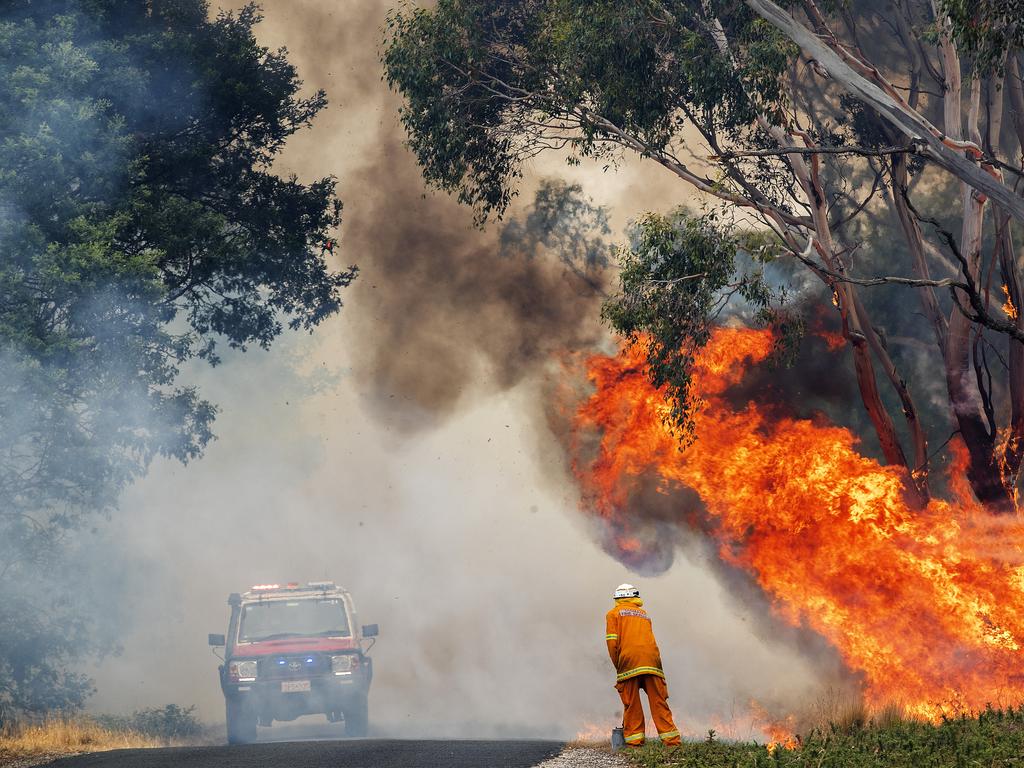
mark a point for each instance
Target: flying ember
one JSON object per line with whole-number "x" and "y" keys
{"x": 926, "y": 607}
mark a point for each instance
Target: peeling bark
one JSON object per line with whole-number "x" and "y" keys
{"x": 885, "y": 99}
{"x": 919, "y": 468}
{"x": 983, "y": 470}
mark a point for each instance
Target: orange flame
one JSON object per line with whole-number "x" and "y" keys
{"x": 832, "y": 339}
{"x": 594, "y": 732}
{"x": 1008, "y": 307}
{"x": 926, "y": 606}
{"x": 779, "y": 733}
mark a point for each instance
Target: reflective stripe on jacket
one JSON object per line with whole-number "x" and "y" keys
{"x": 630, "y": 639}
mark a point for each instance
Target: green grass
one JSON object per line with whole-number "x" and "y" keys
{"x": 993, "y": 739}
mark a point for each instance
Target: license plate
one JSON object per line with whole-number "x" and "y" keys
{"x": 294, "y": 686}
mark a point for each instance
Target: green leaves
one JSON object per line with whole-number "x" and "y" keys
{"x": 488, "y": 85}
{"x": 141, "y": 224}
{"x": 440, "y": 61}
{"x": 986, "y": 30}
{"x": 135, "y": 189}
{"x": 678, "y": 275}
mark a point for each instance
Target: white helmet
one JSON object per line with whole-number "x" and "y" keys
{"x": 626, "y": 590}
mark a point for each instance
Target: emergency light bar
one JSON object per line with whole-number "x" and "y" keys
{"x": 294, "y": 586}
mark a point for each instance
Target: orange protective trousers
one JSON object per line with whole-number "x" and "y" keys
{"x": 633, "y": 715}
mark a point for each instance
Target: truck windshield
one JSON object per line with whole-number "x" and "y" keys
{"x": 276, "y": 619}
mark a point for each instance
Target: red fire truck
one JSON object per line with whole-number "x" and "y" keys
{"x": 291, "y": 650}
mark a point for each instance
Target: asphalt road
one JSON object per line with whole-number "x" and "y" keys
{"x": 357, "y": 753}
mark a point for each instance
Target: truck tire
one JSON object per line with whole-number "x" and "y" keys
{"x": 241, "y": 723}
{"x": 357, "y": 718}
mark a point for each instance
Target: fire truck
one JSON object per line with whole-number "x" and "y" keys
{"x": 292, "y": 650}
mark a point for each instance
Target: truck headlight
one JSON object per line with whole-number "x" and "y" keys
{"x": 242, "y": 671}
{"x": 342, "y": 665}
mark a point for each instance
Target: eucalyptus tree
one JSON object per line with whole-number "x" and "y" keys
{"x": 141, "y": 224}
{"x": 813, "y": 127}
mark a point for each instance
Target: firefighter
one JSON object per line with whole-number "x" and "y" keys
{"x": 634, "y": 652}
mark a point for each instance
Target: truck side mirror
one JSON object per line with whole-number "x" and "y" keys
{"x": 216, "y": 640}
{"x": 370, "y": 630}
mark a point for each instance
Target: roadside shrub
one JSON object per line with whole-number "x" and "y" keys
{"x": 167, "y": 723}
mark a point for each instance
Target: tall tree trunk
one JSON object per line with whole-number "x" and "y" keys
{"x": 918, "y": 249}
{"x": 1013, "y": 442}
{"x": 1012, "y": 267}
{"x": 862, "y": 337}
{"x": 919, "y": 468}
{"x": 983, "y": 469}
{"x": 856, "y": 324}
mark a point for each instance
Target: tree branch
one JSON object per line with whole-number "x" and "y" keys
{"x": 944, "y": 151}
{"x": 805, "y": 257}
{"x": 980, "y": 313}
{"x": 915, "y": 148}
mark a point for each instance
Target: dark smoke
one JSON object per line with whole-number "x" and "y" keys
{"x": 445, "y": 312}
{"x": 445, "y": 307}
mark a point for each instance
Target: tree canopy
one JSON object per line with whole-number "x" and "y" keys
{"x": 841, "y": 134}
{"x": 141, "y": 224}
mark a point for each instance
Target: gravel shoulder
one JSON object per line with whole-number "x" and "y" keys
{"x": 583, "y": 756}
{"x": 28, "y": 761}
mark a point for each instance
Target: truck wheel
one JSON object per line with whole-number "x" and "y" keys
{"x": 357, "y": 718}
{"x": 241, "y": 723}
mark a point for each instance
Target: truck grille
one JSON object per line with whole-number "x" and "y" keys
{"x": 288, "y": 666}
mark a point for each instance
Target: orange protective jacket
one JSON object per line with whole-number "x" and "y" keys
{"x": 631, "y": 644}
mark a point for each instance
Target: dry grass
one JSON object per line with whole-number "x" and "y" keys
{"x": 587, "y": 743}
{"x": 60, "y": 736}
{"x": 845, "y": 711}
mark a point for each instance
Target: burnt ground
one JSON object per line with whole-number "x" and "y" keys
{"x": 362, "y": 753}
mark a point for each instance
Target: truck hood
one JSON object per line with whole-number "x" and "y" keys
{"x": 295, "y": 645}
